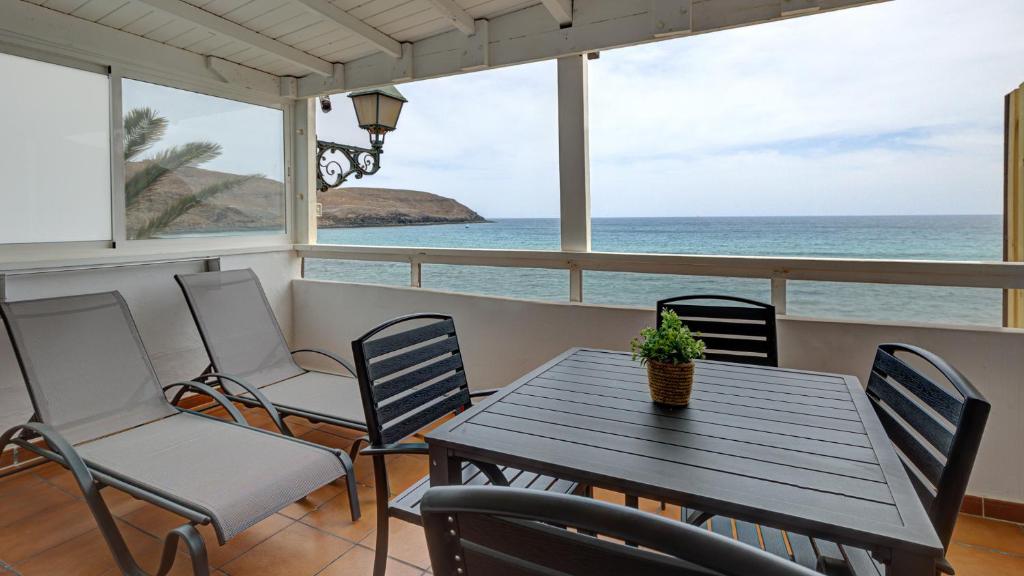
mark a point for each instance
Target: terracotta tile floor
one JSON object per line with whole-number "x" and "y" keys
{"x": 45, "y": 529}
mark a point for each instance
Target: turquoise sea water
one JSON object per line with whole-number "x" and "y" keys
{"x": 884, "y": 237}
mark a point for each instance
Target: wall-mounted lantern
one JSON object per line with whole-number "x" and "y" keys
{"x": 377, "y": 112}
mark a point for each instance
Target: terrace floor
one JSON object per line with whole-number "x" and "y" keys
{"x": 46, "y": 529}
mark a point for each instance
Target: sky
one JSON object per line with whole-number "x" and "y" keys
{"x": 894, "y": 108}
{"x": 251, "y": 137}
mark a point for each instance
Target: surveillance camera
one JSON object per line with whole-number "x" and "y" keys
{"x": 325, "y": 104}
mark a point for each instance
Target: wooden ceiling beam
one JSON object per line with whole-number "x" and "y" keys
{"x": 240, "y": 33}
{"x": 380, "y": 40}
{"x": 459, "y": 17}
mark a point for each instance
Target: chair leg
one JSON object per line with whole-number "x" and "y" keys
{"x": 196, "y": 550}
{"x": 383, "y": 491}
{"x": 353, "y": 495}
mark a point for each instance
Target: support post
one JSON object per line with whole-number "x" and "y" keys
{"x": 574, "y": 162}
{"x": 1013, "y": 203}
{"x": 303, "y": 170}
{"x": 779, "y": 295}
{"x": 416, "y": 274}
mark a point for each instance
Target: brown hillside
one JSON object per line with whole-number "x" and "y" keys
{"x": 350, "y": 207}
{"x": 258, "y": 205}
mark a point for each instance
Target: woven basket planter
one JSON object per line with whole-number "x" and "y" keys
{"x": 670, "y": 384}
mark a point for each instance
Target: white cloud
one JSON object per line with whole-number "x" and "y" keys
{"x": 891, "y": 108}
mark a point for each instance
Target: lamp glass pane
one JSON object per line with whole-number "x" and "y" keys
{"x": 366, "y": 109}
{"x": 390, "y": 108}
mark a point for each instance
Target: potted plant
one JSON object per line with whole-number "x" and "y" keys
{"x": 668, "y": 353}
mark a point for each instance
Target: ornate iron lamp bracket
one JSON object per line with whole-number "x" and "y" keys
{"x": 331, "y": 173}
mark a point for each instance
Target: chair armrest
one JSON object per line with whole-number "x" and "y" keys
{"x": 209, "y": 391}
{"x": 398, "y": 448}
{"x": 65, "y": 453}
{"x": 492, "y": 472}
{"x": 482, "y": 393}
{"x": 257, "y": 395}
{"x": 338, "y": 359}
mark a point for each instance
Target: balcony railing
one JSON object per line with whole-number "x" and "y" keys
{"x": 1006, "y": 276}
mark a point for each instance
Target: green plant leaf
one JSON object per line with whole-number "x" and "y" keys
{"x": 143, "y": 127}
{"x": 183, "y": 205}
{"x": 165, "y": 162}
{"x": 671, "y": 343}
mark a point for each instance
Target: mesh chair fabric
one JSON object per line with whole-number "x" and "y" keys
{"x": 238, "y": 475}
{"x": 86, "y": 368}
{"x": 238, "y": 327}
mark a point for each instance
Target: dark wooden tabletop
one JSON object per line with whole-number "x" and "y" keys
{"x": 801, "y": 451}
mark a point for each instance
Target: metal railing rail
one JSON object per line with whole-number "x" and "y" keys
{"x": 998, "y": 275}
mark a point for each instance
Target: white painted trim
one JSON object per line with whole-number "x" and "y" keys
{"x": 118, "y": 215}
{"x": 459, "y": 17}
{"x": 303, "y": 165}
{"x": 225, "y": 27}
{"x": 57, "y": 260}
{"x": 560, "y": 10}
{"x": 382, "y": 41}
{"x": 908, "y": 272}
{"x": 530, "y": 35}
{"x": 36, "y": 32}
{"x": 574, "y": 153}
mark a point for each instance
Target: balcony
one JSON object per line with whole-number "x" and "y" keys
{"x": 48, "y": 531}
{"x": 268, "y": 62}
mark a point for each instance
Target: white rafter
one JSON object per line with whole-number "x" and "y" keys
{"x": 240, "y": 33}
{"x": 379, "y": 39}
{"x": 459, "y": 17}
{"x": 561, "y": 10}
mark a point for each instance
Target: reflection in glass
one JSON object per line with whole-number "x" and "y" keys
{"x": 199, "y": 165}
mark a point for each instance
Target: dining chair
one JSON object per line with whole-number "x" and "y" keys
{"x": 936, "y": 426}
{"x": 411, "y": 374}
{"x": 489, "y": 531}
{"x": 734, "y": 330}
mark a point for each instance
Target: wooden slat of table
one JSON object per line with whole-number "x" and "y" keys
{"x": 786, "y": 448}
{"x": 750, "y": 434}
{"x": 693, "y": 414}
{"x": 686, "y": 442}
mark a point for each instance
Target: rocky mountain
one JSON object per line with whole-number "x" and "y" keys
{"x": 351, "y": 207}
{"x": 258, "y": 205}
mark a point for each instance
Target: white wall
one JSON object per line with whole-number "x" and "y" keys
{"x": 158, "y": 307}
{"x": 502, "y": 339}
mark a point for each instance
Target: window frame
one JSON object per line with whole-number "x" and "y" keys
{"x": 115, "y": 76}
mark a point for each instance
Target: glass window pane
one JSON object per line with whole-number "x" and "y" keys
{"x": 198, "y": 165}
{"x": 54, "y": 153}
{"x": 926, "y": 304}
{"x": 631, "y": 289}
{"x": 384, "y": 273}
{"x": 525, "y": 283}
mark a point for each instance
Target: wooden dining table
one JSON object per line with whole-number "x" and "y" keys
{"x": 791, "y": 450}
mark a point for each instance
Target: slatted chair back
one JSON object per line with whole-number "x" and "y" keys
{"x": 87, "y": 371}
{"x": 734, "y": 329}
{"x": 500, "y": 531}
{"x": 238, "y": 327}
{"x": 410, "y": 374}
{"x": 936, "y": 429}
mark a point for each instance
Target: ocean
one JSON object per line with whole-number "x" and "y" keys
{"x": 883, "y": 237}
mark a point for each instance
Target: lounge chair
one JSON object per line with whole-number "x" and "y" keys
{"x": 250, "y": 359}
{"x": 488, "y": 531}
{"x": 411, "y": 375}
{"x": 103, "y": 415}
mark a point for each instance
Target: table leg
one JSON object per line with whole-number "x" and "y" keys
{"x": 445, "y": 467}
{"x": 908, "y": 564}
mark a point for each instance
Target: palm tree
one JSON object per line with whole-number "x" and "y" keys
{"x": 144, "y": 127}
